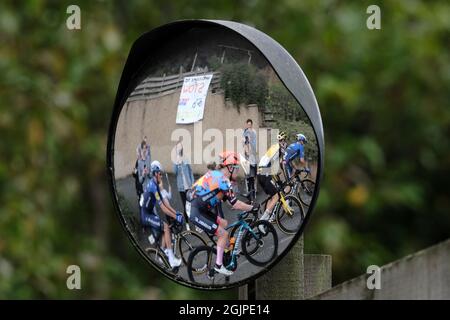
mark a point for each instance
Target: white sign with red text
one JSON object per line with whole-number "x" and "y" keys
{"x": 192, "y": 99}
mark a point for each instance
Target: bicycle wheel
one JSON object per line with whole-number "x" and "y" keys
{"x": 158, "y": 258}
{"x": 261, "y": 240}
{"x": 251, "y": 248}
{"x": 290, "y": 222}
{"x": 306, "y": 191}
{"x": 187, "y": 242}
{"x": 230, "y": 261}
{"x": 200, "y": 262}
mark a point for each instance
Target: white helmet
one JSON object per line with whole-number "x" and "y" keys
{"x": 281, "y": 136}
{"x": 156, "y": 167}
{"x": 301, "y": 137}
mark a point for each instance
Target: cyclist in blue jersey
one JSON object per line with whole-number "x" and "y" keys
{"x": 294, "y": 151}
{"x": 157, "y": 220}
{"x": 208, "y": 192}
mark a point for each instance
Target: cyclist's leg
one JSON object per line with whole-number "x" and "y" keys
{"x": 270, "y": 190}
{"x": 288, "y": 175}
{"x": 173, "y": 261}
{"x": 222, "y": 243}
{"x": 167, "y": 240}
{"x": 271, "y": 203}
{"x": 222, "y": 240}
{"x": 205, "y": 220}
{"x": 167, "y": 237}
{"x": 222, "y": 222}
{"x": 288, "y": 170}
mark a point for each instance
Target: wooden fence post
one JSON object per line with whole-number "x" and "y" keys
{"x": 298, "y": 276}
{"x": 285, "y": 280}
{"x": 317, "y": 274}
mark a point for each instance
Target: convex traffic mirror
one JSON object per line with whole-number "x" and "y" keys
{"x": 215, "y": 152}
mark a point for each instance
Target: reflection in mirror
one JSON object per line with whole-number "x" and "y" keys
{"x": 215, "y": 162}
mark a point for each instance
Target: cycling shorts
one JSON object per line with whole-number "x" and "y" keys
{"x": 202, "y": 217}
{"x": 267, "y": 184}
{"x": 150, "y": 219}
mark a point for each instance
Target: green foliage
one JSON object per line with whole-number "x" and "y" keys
{"x": 213, "y": 63}
{"x": 243, "y": 84}
{"x": 291, "y": 118}
{"x": 293, "y": 127}
{"x": 384, "y": 101}
{"x": 284, "y": 106}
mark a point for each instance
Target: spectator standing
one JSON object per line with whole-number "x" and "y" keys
{"x": 249, "y": 143}
{"x": 143, "y": 168}
{"x": 183, "y": 173}
{"x": 143, "y": 146}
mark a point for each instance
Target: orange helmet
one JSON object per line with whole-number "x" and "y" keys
{"x": 229, "y": 158}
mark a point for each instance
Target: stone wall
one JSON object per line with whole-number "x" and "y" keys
{"x": 424, "y": 275}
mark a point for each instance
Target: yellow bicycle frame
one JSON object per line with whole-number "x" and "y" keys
{"x": 285, "y": 205}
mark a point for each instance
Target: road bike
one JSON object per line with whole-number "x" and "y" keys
{"x": 255, "y": 239}
{"x": 303, "y": 186}
{"x": 288, "y": 212}
{"x": 183, "y": 242}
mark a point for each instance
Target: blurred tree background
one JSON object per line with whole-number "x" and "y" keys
{"x": 383, "y": 95}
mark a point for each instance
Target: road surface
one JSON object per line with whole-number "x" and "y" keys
{"x": 129, "y": 204}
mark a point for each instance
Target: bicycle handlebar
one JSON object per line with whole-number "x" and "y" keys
{"x": 175, "y": 227}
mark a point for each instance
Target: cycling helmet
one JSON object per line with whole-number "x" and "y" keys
{"x": 156, "y": 167}
{"x": 282, "y": 135}
{"x": 229, "y": 158}
{"x": 301, "y": 137}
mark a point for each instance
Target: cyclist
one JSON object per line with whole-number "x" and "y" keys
{"x": 295, "y": 150}
{"x": 209, "y": 192}
{"x": 151, "y": 217}
{"x": 268, "y": 166}
{"x": 281, "y": 137}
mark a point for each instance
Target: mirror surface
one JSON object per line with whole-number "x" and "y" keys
{"x": 204, "y": 93}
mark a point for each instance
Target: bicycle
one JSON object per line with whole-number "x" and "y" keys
{"x": 183, "y": 242}
{"x": 288, "y": 211}
{"x": 303, "y": 187}
{"x": 250, "y": 238}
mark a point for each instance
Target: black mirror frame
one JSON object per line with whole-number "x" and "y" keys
{"x": 287, "y": 69}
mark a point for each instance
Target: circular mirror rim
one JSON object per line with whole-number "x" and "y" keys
{"x": 287, "y": 69}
